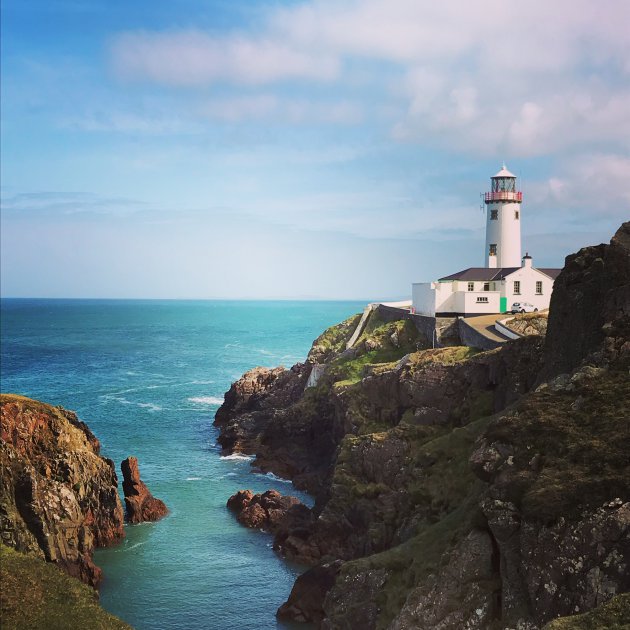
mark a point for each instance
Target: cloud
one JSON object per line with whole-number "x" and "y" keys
{"x": 588, "y": 188}
{"x": 131, "y": 123}
{"x": 55, "y": 204}
{"x": 193, "y": 58}
{"x": 489, "y": 77}
{"x": 287, "y": 110}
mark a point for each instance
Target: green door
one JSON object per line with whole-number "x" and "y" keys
{"x": 503, "y": 304}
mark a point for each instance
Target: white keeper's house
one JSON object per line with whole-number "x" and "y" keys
{"x": 506, "y": 277}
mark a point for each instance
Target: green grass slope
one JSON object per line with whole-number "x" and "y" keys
{"x": 37, "y": 595}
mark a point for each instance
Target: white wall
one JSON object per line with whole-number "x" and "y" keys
{"x": 528, "y": 276}
{"x": 467, "y": 302}
{"x": 505, "y": 231}
{"x": 423, "y": 298}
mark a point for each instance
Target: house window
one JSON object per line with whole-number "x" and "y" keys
{"x": 538, "y": 287}
{"x": 493, "y": 249}
{"x": 483, "y": 300}
{"x": 486, "y": 286}
{"x": 471, "y": 286}
{"x": 517, "y": 215}
{"x": 517, "y": 287}
{"x": 494, "y": 215}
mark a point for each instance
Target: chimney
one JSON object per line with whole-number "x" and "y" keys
{"x": 527, "y": 260}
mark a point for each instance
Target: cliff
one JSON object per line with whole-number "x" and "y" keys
{"x": 58, "y": 497}
{"x": 456, "y": 488}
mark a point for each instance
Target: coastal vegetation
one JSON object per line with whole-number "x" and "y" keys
{"x": 37, "y": 595}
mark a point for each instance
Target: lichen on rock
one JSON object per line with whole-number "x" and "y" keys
{"x": 59, "y": 497}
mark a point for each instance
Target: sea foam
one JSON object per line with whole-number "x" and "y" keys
{"x": 206, "y": 400}
{"x": 273, "y": 477}
{"x": 240, "y": 456}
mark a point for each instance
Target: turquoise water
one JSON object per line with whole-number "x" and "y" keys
{"x": 148, "y": 377}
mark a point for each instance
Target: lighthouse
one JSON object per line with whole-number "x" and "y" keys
{"x": 503, "y": 222}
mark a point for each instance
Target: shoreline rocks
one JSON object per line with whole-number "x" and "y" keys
{"x": 141, "y": 505}
{"x": 286, "y": 517}
{"x": 58, "y": 496}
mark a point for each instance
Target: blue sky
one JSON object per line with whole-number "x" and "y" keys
{"x": 306, "y": 149}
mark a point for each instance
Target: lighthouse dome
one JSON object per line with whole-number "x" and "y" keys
{"x": 504, "y": 173}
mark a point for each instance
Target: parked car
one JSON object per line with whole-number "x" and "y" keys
{"x": 523, "y": 307}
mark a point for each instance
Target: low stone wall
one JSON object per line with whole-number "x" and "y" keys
{"x": 471, "y": 337}
{"x": 501, "y": 327}
{"x": 442, "y": 331}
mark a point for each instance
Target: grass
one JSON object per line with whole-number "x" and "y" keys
{"x": 38, "y": 595}
{"x": 613, "y": 615}
{"x": 333, "y": 340}
{"x": 581, "y": 434}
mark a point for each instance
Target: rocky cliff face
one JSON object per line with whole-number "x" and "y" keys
{"x": 457, "y": 489}
{"x": 590, "y": 308}
{"x": 59, "y": 497}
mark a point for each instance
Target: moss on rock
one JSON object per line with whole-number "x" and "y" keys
{"x": 613, "y": 615}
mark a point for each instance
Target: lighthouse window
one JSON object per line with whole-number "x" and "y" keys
{"x": 538, "y": 287}
{"x": 493, "y": 249}
{"x": 517, "y": 214}
{"x": 471, "y": 286}
{"x": 494, "y": 215}
{"x": 517, "y": 287}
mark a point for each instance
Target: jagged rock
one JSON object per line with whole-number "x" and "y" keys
{"x": 352, "y": 602}
{"x": 528, "y": 323}
{"x": 468, "y": 577}
{"x": 140, "y": 504}
{"x": 58, "y": 496}
{"x": 589, "y": 314}
{"x": 306, "y": 601}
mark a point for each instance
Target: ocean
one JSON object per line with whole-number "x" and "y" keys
{"x": 148, "y": 376}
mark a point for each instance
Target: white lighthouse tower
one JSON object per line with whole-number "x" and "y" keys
{"x": 503, "y": 222}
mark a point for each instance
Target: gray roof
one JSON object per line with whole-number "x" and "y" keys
{"x": 493, "y": 273}
{"x": 481, "y": 273}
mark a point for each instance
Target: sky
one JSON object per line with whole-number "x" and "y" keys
{"x": 301, "y": 149}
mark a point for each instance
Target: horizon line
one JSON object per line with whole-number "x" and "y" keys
{"x": 209, "y": 299}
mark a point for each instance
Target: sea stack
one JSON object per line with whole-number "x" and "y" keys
{"x": 140, "y": 504}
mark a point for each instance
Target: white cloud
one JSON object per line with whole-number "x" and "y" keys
{"x": 193, "y": 58}
{"x": 588, "y": 187}
{"x": 490, "y": 77}
{"x": 128, "y": 122}
{"x": 291, "y": 110}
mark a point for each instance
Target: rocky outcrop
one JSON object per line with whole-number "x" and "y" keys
{"x": 306, "y": 601}
{"x": 590, "y": 308}
{"x": 59, "y": 497}
{"x": 468, "y": 577}
{"x": 455, "y": 488}
{"x": 528, "y": 324}
{"x": 140, "y": 504}
{"x": 286, "y": 517}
